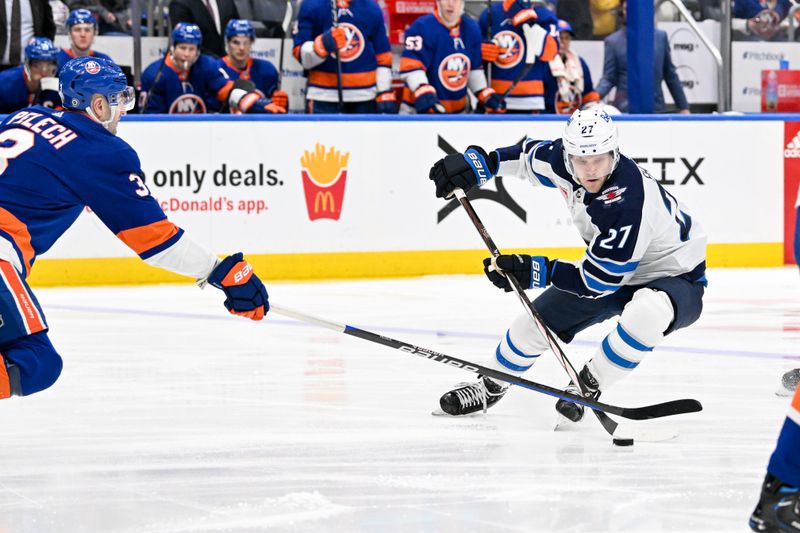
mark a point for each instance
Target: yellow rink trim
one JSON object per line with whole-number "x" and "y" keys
{"x": 274, "y": 267}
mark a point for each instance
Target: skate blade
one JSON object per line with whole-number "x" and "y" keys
{"x": 565, "y": 424}
{"x": 439, "y": 412}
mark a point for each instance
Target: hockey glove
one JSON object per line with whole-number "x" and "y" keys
{"x": 330, "y": 42}
{"x": 490, "y": 51}
{"x": 425, "y": 100}
{"x": 48, "y": 95}
{"x": 245, "y": 295}
{"x": 280, "y": 98}
{"x": 519, "y": 11}
{"x": 386, "y": 103}
{"x": 532, "y": 272}
{"x": 492, "y": 101}
{"x": 462, "y": 171}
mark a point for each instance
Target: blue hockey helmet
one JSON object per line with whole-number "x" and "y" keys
{"x": 83, "y": 77}
{"x": 81, "y": 16}
{"x": 563, "y": 25}
{"x": 40, "y": 49}
{"x": 236, "y": 27}
{"x": 185, "y": 32}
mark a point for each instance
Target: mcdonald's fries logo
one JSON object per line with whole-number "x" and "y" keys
{"x": 324, "y": 174}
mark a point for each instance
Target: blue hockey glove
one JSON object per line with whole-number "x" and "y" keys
{"x": 463, "y": 171}
{"x": 532, "y": 272}
{"x": 386, "y": 103}
{"x": 493, "y": 102}
{"x": 425, "y": 100}
{"x": 330, "y": 42}
{"x": 245, "y": 295}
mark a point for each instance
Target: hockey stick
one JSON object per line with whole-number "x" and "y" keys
{"x": 335, "y": 15}
{"x": 489, "y": 38}
{"x": 287, "y": 19}
{"x": 608, "y": 424}
{"x": 158, "y": 74}
{"x": 647, "y": 412}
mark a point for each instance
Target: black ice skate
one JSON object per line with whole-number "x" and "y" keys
{"x": 778, "y": 509}
{"x": 473, "y": 397}
{"x": 789, "y": 383}
{"x": 573, "y": 411}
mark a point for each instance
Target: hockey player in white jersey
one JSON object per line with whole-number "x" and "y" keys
{"x": 645, "y": 257}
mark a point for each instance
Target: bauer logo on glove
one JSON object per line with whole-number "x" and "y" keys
{"x": 245, "y": 294}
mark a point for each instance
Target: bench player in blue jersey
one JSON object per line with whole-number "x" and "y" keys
{"x": 52, "y": 165}
{"x": 240, "y": 65}
{"x": 778, "y": 508}
{"x": 33, "y": 81}
{"x": 187, "y": 81}
{"x": 82, "y": 29}
{"x": 645, "y": 257}
{"x": 441, "y": 60}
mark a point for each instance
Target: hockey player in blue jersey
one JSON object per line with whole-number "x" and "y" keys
{"x": 441, "y": 60}
{"x": 32, "y": 82}
{"x": 240, "y": 65}
{"x": 76, "y": 160}
{"x": 523, "y": 39}
{"x": 82, "y": 29}
{"x": 364, "y": 53}
{"x": 645, "y": 257}
{"x": 778, "y": 508}
{"x": 188, "y": 82}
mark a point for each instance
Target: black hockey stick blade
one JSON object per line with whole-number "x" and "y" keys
{"x": 674, "y": 407}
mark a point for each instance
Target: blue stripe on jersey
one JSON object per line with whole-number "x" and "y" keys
{"x": 594, "y": 271}
{"x": 544, "y": 180}
{"x": 517, "y": 350}
{"x": 615, "y": 358}
{"x": 163, "y": 246}
{"x": 597, "y": 286}
{"x": 508, "y": 364}
{"x": 612, "y": 266}
{"x": 628, "y": 339}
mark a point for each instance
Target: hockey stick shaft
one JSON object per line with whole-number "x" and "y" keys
{"x": 634, "y": 413}
{"x": 287, "y": 19}
{"x": 335, "y": 15}
{"x": 489, "y": 20}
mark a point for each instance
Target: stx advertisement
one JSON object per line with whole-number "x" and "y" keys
{"x": 293, "y": 186}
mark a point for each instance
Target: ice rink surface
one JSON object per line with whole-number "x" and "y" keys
{"x": 171, "y": 416}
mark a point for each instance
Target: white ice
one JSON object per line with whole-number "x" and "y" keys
{"x": 171, "y": 416}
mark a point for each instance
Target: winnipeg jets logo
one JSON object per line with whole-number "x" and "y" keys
{"x": 611, "y": 195}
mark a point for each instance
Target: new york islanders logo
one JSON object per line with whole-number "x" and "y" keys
{"x": 187, "y": 104}
{"x": 354, "y": 45}
{"x": 324, "y": 176}
{"x": 514, "y": 49}
{"x": 454, "y": 72}
{"x": 92, "y": 67}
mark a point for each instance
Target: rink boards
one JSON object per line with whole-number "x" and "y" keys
{"x": 333, "y": 198}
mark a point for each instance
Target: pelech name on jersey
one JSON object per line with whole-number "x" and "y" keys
{"x": 50, "y": 130}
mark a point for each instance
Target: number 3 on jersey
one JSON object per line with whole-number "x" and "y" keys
{"x": 13, "y": 142}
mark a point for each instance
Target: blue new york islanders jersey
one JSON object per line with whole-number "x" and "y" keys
{"x": 65, "y": 54}
{"x": 635, "y": 230}
{"x": 45, "y": 183}
{"x": 367, "y": 49}
{"x": 261, "y": 72}
{"x": 200, "y": 90}
{"x": 529, "y": 93}
{"x": 14, "y": 93}
{"x": 446, "y": 55}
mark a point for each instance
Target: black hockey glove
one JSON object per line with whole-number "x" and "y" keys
{"x": 463, "y": 171}
{"x": 532, "y": 272}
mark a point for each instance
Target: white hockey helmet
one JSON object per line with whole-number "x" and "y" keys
{"x": 590, "y": 132}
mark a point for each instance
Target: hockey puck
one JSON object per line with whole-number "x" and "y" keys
{"x": 622, "y": 442}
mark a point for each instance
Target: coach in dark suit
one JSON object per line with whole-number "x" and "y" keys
{"x": 210, "y": 15}
{"x": 615, "y": 71}
{"x": 23, "y": 26}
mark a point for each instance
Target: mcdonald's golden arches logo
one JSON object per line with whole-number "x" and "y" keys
{"x": 324, "y": 176}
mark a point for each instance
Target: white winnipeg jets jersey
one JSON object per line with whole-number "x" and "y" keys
{"x": 636, "y": 231}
